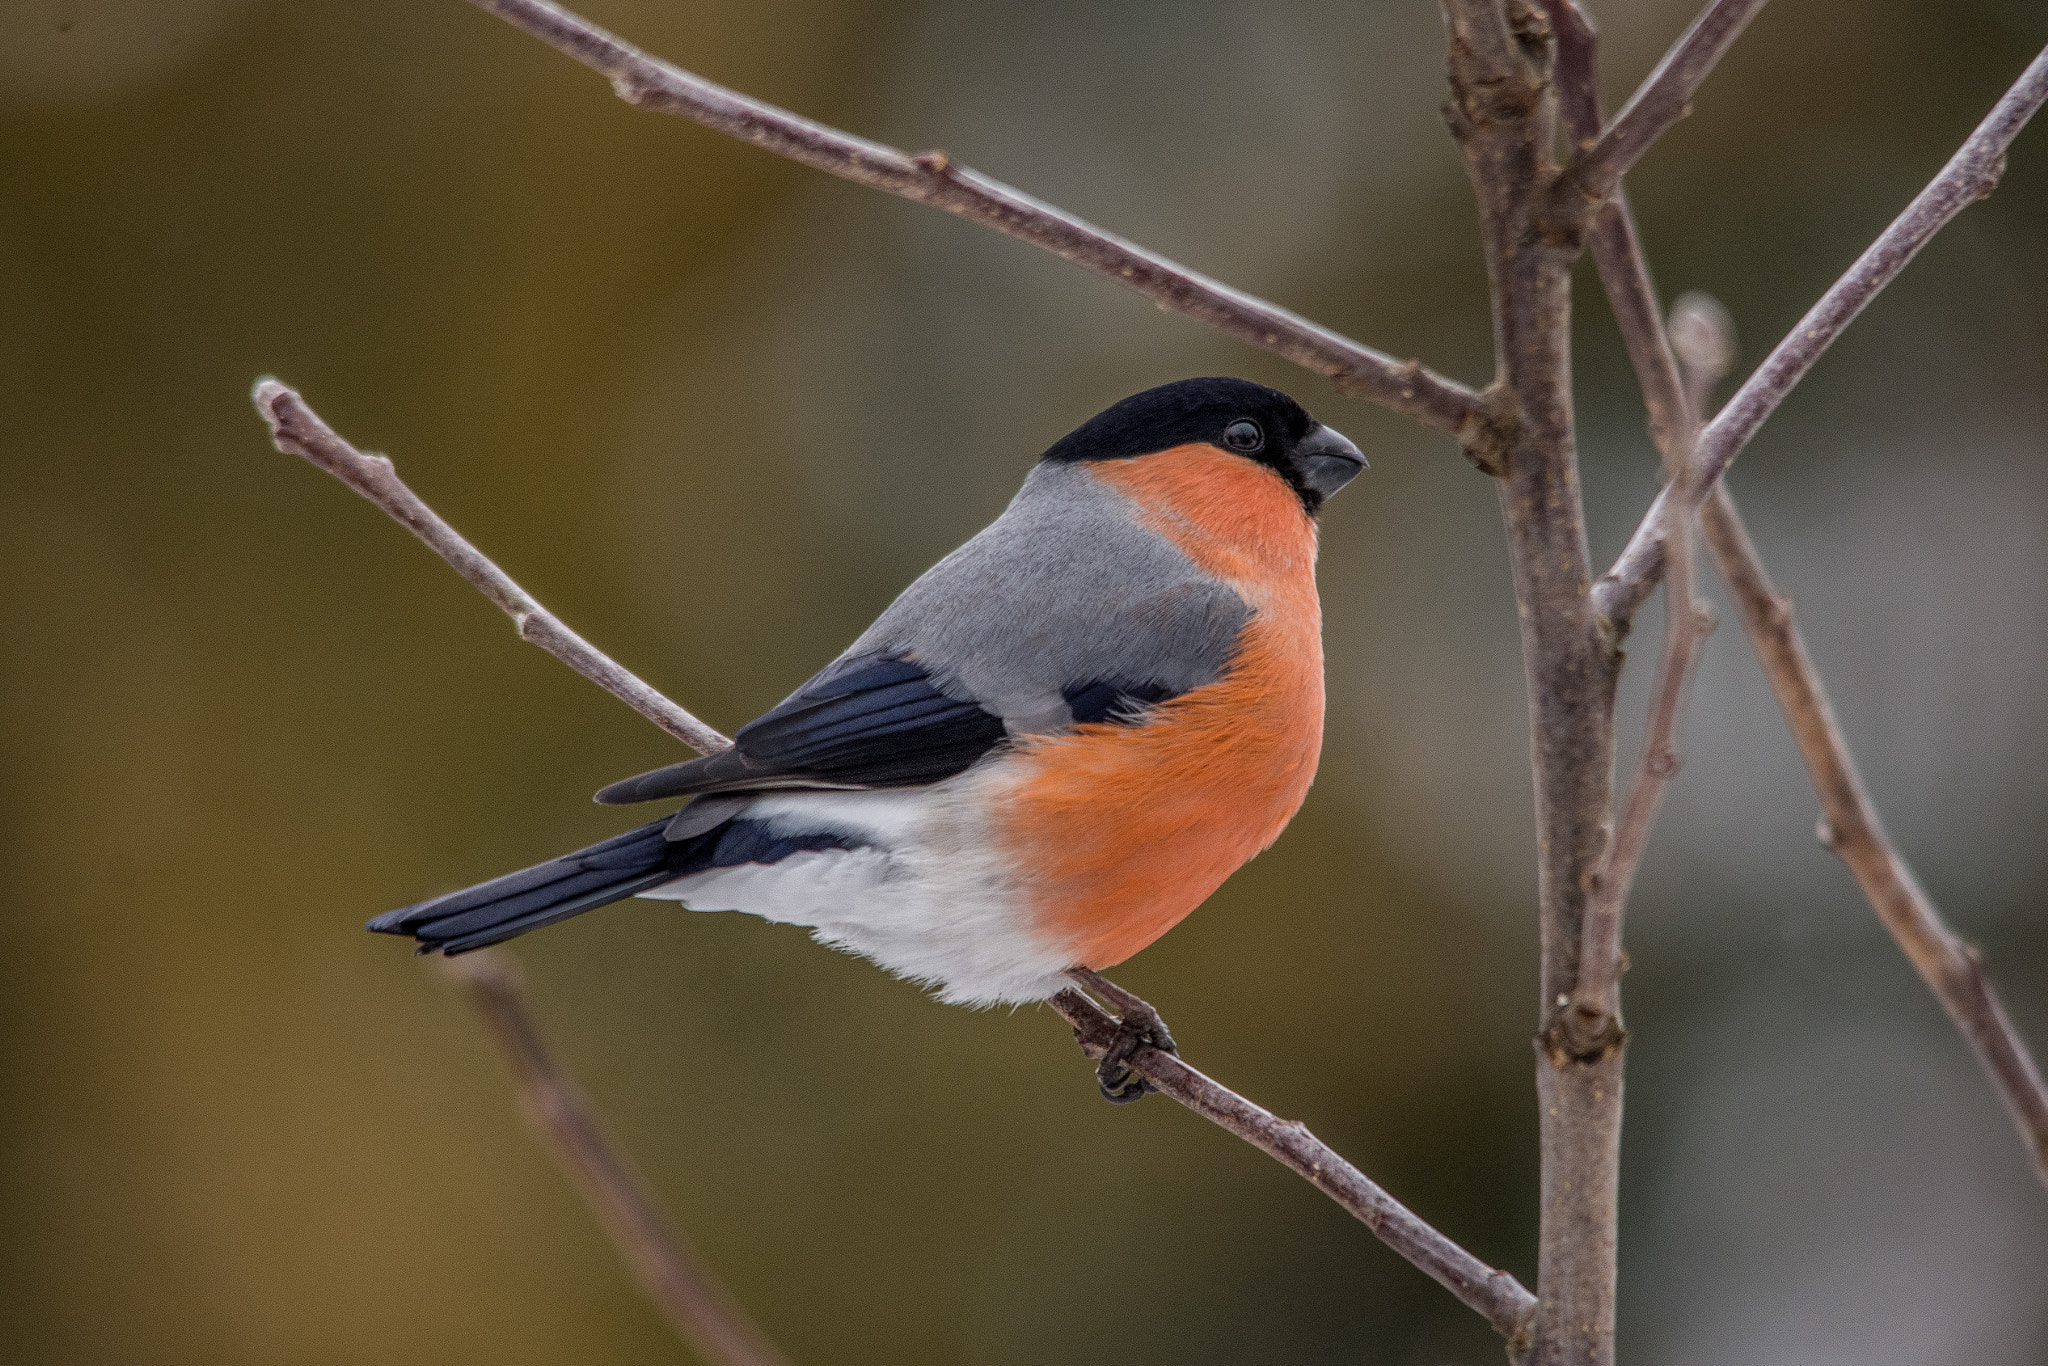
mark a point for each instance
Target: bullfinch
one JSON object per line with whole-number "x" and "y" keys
{"x": 1053, "y": 746}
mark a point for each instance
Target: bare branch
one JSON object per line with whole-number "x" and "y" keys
{"x": 1702, "y": 337}
{"x": 670, "y": 1271}
{"x": 1501, "y": 54}
{"x": 1952, "y": 969}
{"x": 1850, "y": 826}
{"x": 1595, "y": 1019}
{"x": 1495, "y": 1295}
{"x": 1971, "y": 174}
{"x": 934, "y": 178}
{"x": 1662, "y": 100}
{"x": 1575, "y": 71}
{"x": 1593, "y": 1024}
{"x": 1616, "y": 248}
{"x": 298, "y": 430}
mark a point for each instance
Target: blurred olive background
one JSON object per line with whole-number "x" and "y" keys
{"x": 715, "y": 410}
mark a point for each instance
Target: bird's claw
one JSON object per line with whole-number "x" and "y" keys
{"x": 1138, "y": 1026}
{"x": 1120, "y": 1085}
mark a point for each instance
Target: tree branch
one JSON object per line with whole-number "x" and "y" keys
{"x": 1594, "y": 1023}
{"x": 1595, "y": 1018}
{"x": 934, "y": 178}
{"x": 1952, "y": 969}
{"x": 298, "y": 430}
{"x": 1501, "y": 114}
{"x": 1495, "y": 1295}
{"x": 669, "y": 1270}
{"x": 1850, "y": 826}
{"x": 1971, "y": 174}
{"x": 1663, "y": 98}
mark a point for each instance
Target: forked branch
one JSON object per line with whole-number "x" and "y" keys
{"x": 298, "y": 430}
{"x": 1952, "y": 969}
{"x": 1592, "y": 1025}
{"x": 1970, "y": 175}
{"x": 934, "y": 178}
{"x": 1594, "y": 1022}
{"x": 1663, "y": 98}
{"x": 1503, "y": 116}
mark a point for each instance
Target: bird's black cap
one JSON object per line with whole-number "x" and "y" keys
{"x": 1214, "y": 410}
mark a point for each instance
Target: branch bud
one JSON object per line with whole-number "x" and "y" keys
{"x": 1702, "y": 335}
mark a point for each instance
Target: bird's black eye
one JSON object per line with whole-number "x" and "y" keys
{"x": 1244, "y": 436}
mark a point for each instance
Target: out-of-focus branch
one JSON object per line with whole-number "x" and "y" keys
{"x": 1970, "y": 175}
{"x": 1594, "y": 1022}
{"x": 298, "y": 430}
{"x": 1615, "y": 246}
{"x": 1850, "y": 826}
{"x": 1663, "y": 98}
{"x": 669, "y": 1270}
{"x": 1593, "y": 1025}
{"x": 1495, "y": 1295}
{"x": 934, "y": 178}
{"x": 1503, "y": 115}
{"x": 1952, "y": 969}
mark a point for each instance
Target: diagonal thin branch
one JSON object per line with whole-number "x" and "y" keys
{"x": 672, "y": 1273}
{"x": 1851, "y": 827}
{"x": 1663, "y": 98}
{"x": 1495, "y": 1295}
{"x": 1971, "y": 174}
{"x": 298, "y": 430}
{"x": 934, "y": 178}
{"x": 1952, "y": 969}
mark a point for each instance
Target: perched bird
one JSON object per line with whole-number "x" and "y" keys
{"x": 1053, "y": 746}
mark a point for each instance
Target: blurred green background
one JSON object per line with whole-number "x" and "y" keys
{"x": 715, "y": 410}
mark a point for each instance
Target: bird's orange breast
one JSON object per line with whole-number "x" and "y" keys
{"x": 1120, "y": 830}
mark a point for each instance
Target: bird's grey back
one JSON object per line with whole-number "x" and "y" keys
{"x": 1065, "y": 588}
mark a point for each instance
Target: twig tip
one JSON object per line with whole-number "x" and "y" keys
{"x": 1702, "y": 334}
{"x": 266, "y": 393}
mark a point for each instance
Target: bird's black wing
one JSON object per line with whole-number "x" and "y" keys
{"x": 864, "y": 722}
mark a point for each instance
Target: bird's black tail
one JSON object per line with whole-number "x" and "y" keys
{"x": 493, "y": 911}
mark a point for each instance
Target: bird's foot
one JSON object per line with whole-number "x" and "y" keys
{"x": 1138, "y": 1026}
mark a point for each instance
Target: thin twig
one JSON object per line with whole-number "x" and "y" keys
{"x": 1616, "y": 248}
{"x": 673, "y": 1274}
{"x": 936, "y": 179}
{"x": 1663, "y": 98}
{"x": 1496, "y": 1295}
{"x": 1850, "y": 826}
{"x": 1971, "y": 174}
{"x": 298, "y": 430}
{"x": 1952, "y": 969}
{"x": 1593, "y": 1024}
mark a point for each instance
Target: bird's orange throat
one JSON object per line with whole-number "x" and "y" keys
{"x": 1123, "y": 828}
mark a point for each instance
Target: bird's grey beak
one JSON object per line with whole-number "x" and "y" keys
{"x": 1328, "y": 460}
